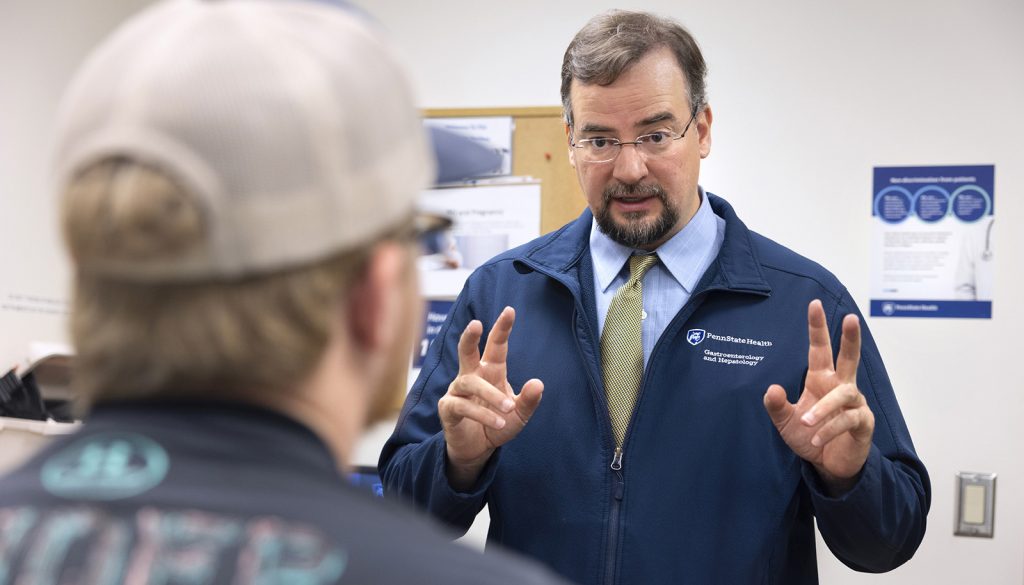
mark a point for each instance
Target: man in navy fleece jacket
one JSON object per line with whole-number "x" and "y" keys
{"x": 710, "y": 478}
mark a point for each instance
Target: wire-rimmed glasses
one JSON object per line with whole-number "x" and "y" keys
{"x": 602, "y": 149}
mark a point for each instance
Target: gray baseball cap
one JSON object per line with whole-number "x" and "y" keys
{"x": 292, "y": 121}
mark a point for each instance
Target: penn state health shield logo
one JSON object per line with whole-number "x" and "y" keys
{"x": 695, "y": 336}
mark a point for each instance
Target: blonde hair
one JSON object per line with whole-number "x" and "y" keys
{"x": 200, "y": 339}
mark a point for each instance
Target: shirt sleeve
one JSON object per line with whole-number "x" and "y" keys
{"x": 879, "y": 523}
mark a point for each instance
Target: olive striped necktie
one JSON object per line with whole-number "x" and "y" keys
{"x": 622, "y": 349}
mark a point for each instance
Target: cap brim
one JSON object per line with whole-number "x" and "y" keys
{"x": 429, "y": 231}
{"x": 426, "y": 223}
{"x": 460, "y": 157}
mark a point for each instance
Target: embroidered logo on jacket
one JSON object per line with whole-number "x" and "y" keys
{"x": 729, "y": 350}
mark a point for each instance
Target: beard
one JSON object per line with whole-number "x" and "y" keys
{"x": 635, "y": 231}
{"x": 389, "y": 394}
{"x": 387, "y": 400}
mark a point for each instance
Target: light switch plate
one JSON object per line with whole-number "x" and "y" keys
{"x": 975, "y": 504}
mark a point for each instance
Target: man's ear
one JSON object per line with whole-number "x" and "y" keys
{"x": 568, "y": 143}
{"x": 375, "y": 298}
{"x": 704, "y": 131}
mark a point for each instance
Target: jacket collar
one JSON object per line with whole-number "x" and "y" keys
{"x": 736, "y": 268}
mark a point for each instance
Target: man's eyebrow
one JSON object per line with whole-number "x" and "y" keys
{"x": 659, "y": 117}
{"x": 595, "y": 128}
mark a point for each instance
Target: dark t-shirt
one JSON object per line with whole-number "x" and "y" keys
{"x": 215, "y": 493}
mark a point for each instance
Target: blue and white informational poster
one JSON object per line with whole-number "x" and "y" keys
{"x": 436, "y": 312}
{"x": 932, "y": 250}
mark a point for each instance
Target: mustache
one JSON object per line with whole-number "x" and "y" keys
{"x": 620, "y": 190}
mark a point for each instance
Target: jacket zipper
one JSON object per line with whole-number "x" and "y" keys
{"x": 619, "y": 484}
{"x": 618, "y": 489}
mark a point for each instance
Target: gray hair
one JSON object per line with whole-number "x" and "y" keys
{"x": 611, "y": 42}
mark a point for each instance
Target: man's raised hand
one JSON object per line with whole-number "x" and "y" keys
{"x": 831, "y": 424}
{"x": 480, "y": 411}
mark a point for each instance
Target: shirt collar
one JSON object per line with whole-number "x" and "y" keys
{"x": 681, "y": 255}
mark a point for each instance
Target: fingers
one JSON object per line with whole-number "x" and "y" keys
{"x": 819, "y": 351}
{"x": 496, "y": 350}
{"x": 474, "y": 387}
{"x": 469, "y": 347}
{"x": 856, "y": 421}
{"x": 843, "y": 396}
{"x": 493, "y": 407}
{"x": 529, "y": 399}
{"x": 453, "y": 409}
{"x": 849, "y": 350}
{"x": 777, "y": 405}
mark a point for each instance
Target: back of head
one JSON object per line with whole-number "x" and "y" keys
{"x": 223, "y": 167}
{"x": 613, "y": 41}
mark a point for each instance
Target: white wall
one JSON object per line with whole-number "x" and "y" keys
{"x": 41, "y": 44}
{"x": 808, "y": 97}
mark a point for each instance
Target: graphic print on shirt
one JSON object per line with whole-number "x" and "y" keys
{"x": 50, "y": 545}
{"x": 105, "y": 466}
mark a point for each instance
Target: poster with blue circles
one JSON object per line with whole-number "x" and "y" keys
{"x": 436, "y": 313}
{"x": 933, "y": 242}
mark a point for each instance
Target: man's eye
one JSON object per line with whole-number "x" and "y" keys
{"x": 600, "y": 143}
{"x": 656, "y": 137}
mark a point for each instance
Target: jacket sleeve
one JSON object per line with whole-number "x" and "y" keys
{"x": 879, "y": 523}
{"x": 413, "y": 462}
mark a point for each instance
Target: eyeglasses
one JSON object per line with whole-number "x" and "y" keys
{"x": 602, "y": 149}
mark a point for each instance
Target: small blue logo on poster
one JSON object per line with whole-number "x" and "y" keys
{"x": 695, "y": 336}
{"x": 888, "y": 308}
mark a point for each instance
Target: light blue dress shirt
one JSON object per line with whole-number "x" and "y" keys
{"x": 668, "y": 284}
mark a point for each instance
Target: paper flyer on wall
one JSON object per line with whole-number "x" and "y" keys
{"x": 31, "y": 317}
{"x": 933, "y": 241}
{"x": 488, "y": 220}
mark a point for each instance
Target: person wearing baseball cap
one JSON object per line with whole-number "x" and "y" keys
{"x": 237, "y": 185}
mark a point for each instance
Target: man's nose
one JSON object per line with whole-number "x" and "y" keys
{"x": 630, "y": 165}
